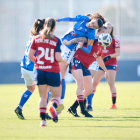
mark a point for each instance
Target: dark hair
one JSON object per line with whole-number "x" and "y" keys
{"x": 98, "y": 16}
{"x": 112, "y": 31}
{"x": 37, "y": 26}
{"x": 103, "y": 27}
{"x": 50, "y": 24}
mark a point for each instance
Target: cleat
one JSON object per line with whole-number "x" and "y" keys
{"x": 89, "y": 108}
{"x": 59, "y": 109}
{"x": 73, "y": 112}
{"x": 113, "y": 106}
{"x": 43, "y": 123}
{"x": 18, "y": 111}
{"x": 54, "y": 114}
{"x": 48, "y": 117}
{"x": 86, "y": 114}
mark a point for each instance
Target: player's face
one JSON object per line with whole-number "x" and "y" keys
{"x": 93, "y": 24}
{"x": 109, "y": 28}
{"x": 103, "y": 31}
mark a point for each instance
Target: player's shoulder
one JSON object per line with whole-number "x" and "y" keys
{"x": 57, "y": 39}
{"x": 115, "y": 39}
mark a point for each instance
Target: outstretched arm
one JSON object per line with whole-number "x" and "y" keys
{"x": 66, "y": 19}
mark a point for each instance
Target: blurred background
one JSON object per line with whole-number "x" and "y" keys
{"x": 18, "y": 16}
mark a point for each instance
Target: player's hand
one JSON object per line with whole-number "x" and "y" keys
{"x": 65, "y": 42}
{"x": 56, "y": 19}
{"x": 80, "y": 44}
{"x": 106, "y": 74}
{"x": 106, "y": 58}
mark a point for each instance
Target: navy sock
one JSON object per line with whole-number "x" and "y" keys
{"x": 25, "y": 96}
{"x": 63, "y": 89}
{"x": 75, "y": 105}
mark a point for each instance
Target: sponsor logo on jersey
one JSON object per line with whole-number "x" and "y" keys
{"x": 45, "y": 67}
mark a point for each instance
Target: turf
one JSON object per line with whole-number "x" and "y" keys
{"x": 120, "y": 124}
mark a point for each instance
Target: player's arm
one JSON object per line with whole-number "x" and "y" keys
{"x": 75, "y": 40}
{"x": 89, "y": 46}
{"x": 102, "y": 65}
{"x": 31, "y": 54}
{"x": 58, "y": 53}
{"x": 66, "y": 19}
{"x": 32, "y": 50}
{"x": 114, "y": 55}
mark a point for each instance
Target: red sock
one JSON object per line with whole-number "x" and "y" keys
{"x": 55, "y": 103}
{"x": 42, "y": 112}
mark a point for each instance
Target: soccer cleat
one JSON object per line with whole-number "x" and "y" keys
{"x": 48, "y": 117}
{"x": 59, "y": 109}
{"x": 86, "y": 114}
{"x": 89, "y": 108}
{"x": 18, "y": 111}
{"x": 53, "y": 113}
{"x": 43, "y": 123}
{"x": 73, "y": 112}
{"x": 113, "y": 106}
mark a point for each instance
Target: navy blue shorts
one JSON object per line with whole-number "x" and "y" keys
{"x": 76, "y": 64}
{"x": 49, "y": 78}
{"x": 109, "y": 67}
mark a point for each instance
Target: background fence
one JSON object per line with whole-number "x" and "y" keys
{"x": 18, "y": 16}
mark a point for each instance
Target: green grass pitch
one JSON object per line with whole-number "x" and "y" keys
{"x": 120, "y": 124}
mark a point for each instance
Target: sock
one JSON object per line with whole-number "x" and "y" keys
{"x": 80, "y": 99}
{"x": 89, "y": 98}
{"x": 113, "y": 95}
{"x": 55, "y": 103}
{"x": 48, "y": 98}
{"x": 25, "y": 96}
{"x": 63, "y": 91}
{"x": 42, "y": 112}
{"x": 75, "y": 105}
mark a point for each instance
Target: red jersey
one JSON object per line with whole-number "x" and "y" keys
{"x": 45, "y": 58}
{"x": 110, "y": 50}
{"x": 88, "y": 59}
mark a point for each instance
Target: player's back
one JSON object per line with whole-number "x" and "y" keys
{"x": 45, "y": 59}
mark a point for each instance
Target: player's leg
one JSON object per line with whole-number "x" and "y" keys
{"x": 63, "y": 69}
{"x": 47, "y": 115}
{"x": 98, "y": 76}
{"x": 89, "y": 97}
{"x": 30, "y": 85}
{"x": 111, "y": 82}
{"x": 42, "y": 103}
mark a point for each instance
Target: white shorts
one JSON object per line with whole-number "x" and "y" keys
{"x": 94, "y": 66}
{"x": 67, "y": 53}
{"x": 28, "y": 76}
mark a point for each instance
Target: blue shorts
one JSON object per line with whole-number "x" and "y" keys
{"x": 49, "y": 78}
{"x": 76, "y": 64}
{"x": 109, "y": 67}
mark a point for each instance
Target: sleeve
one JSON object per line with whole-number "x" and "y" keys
{"x": 117, "y": 43}
{"x": 33, "y": 46}
{"x": 81, "y": 18}
{"x": 58, "y": 47}
{"x": 67, "y": 19}
{"x": 91, "y": 35}
{"x": 86, "y": 49}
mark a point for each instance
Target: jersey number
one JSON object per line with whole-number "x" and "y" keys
{"x": 51, "y": 58}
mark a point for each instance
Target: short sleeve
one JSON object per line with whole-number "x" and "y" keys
{"x": 81, "y": 18}
{"x": 58, "y": 47}
{"x": 33, "y": 45}
{"x": 91, "y": 35}
{"x": 117, "y": 43}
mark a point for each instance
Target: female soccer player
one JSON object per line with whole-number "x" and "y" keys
{"x": 47, "y": 71}
{"x": 79, "y": 69}
{"x": 27, "y": 69}
{"x": 109, "y": 55}
{"x": 85, "y": 27}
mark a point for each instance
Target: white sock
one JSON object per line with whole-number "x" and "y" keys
{"x": 61, "y": 101}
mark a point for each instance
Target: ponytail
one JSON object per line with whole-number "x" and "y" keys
{"x": 47, "y": 31}
{"x": 37, "y": 27}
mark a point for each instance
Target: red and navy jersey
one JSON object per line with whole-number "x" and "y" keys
{"x": 88, "y": 59}
{"x": 45, "y": 58}
{"x": 110, "y": 50}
